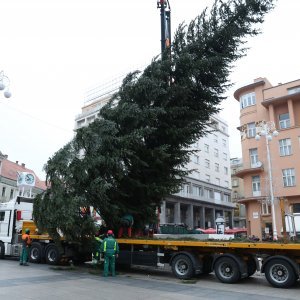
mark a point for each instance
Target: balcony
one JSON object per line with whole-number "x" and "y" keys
{"x": 250, "y": 168}
{"x": 205, "y": 199}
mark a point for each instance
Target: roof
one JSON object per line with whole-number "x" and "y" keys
{"x": 10, "y": 170}
{"x": 245, "y": 88}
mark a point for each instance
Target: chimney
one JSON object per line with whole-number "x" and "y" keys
{"x": 23, "y": 165}
{"x": 17, "y": 162}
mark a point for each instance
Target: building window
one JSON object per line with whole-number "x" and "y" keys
{"x": 217, "y": 181}
{"x": 214, "y": 124}
{"x": 207, "y": 177}
{"x": 207, "y": 163}
{"x": 225, "y": 170}
{"x": 216, "y": 152}
{"x": 265, "y": 208}
{"x": 247, "y": 100}
{"x": 197, "y": 190}
{"x": 255, "y": 184}
{"x": 284, "y": 121}
{"x": 253, "y": 157}
{"x": 224, "y": 156}
{"x": 195, "y": 159}
{"x": 208, "y": 193}
{"x": 218, "y": 195}
{"x": 3, "y": 191}
{"x": 11, "y": 194}
{"x": 217, "y": 167}
{"x": 296, "y": 208}
{"x": 288, "y": 177}
{"x": 196, "y": 174}
{"x": 294, "y": 90}
{"x": 2, "y": 215}
{"x": 215, "y": 138}
{"x": 285, "y": 147}
{"x": 251, "y": 130}
{"x": 185, "y": 189}
{"x": 226, "y": 197}
{"x": 224, "y": 143}
{"x": 235, "y": 182}
{"x": 226, "y": 183}
{"x": 196, "y": 145}
{"x": 206, "y": 148}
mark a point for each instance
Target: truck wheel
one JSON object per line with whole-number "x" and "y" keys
{"x": 2, "y": 250}
{"x": 35, "y": 253}
{"x": 251, "y": 266}
{"x": 280, "y": 273}
{"x": 182, "y": 267}
{"x": 227, "y": 270}
{"x": 52, "y": 255}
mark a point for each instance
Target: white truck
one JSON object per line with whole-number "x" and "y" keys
{"x": 12, "y": 215}
{"x": 17, "y": 214}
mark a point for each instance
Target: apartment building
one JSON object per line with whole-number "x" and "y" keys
{"x": 206, "y": 193}
{"x": 270, "y": 137}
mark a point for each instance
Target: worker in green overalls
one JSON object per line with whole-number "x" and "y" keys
{"x": 110, "y": 248}
{"x": 97, "y": 248}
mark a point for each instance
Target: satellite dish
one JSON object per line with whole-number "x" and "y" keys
{"x": 259, "y": 164}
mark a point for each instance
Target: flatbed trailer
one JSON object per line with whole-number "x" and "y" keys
{"x": 230, "y": 261}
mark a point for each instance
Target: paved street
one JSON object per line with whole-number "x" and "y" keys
{"x": 43, "y": 282}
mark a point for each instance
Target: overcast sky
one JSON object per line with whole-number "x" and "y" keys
{"x": 54, "y": 51}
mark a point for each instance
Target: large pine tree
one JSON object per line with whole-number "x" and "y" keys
{"x": 133, "y": 156}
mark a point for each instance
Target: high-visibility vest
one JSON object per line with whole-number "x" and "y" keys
{"x": 115, "y": 246}
{"x": 26, "y": 239}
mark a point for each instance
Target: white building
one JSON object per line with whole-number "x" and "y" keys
{"x": 206, "y": 194}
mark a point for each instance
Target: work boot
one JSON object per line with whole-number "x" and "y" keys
{"x": 21, "y": 264}
{"x": 25, "y": 264}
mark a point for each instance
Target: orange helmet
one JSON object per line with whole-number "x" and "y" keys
{"x": 110, "y": 232}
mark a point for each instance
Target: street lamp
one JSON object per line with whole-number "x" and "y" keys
{"x": 4, "y": 85}
{"x": 268, "y": 130}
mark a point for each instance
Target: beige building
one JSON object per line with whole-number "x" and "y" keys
{"x": 270, "y": 136}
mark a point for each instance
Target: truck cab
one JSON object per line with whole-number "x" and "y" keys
{"x": 12, "y": 215}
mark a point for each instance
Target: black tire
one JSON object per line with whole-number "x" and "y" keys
{"x": 280, "y": 273}
{"x": 35, "y": 253}
{"x": 2, "y": 250}
{"x": 182, "y": 267}
{"x": 227, "y": 270}
{"x": 52, "y": 255}
{"x": 251, "y": 266}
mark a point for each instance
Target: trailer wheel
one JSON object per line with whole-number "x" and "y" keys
{"x": 280, "y": 273}
{"x": 2, "y": 250}
{"x": 182, "y": 267}
{"x": 227, "y": 270}
{"x": 35, "y": 253}
{"x": 52, "y": 255}
{"x": 251, "y": 266}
